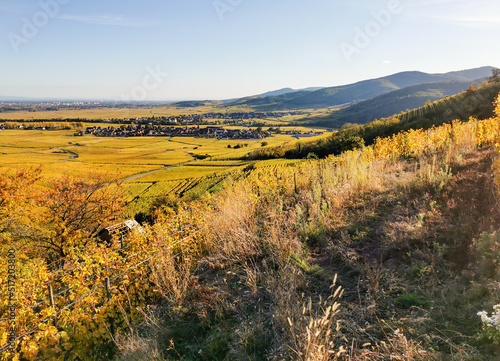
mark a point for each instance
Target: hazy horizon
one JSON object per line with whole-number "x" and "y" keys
{"x": 4, "y": 98}
{"x": 223, "y": 49}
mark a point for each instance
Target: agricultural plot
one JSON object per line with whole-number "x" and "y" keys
{"x": 185, "y": 172}
{"x": 151, "y": 166}
{"x": 121, "y": 113}
{"x": 106, "y": 113}
{"x": 218, "y": 163}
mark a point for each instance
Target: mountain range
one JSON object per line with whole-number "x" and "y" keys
{"x": 391, "y": 103}
{"x": 290, "y": 99}
{"x": 359, "y": 102}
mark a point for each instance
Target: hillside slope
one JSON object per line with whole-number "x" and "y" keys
{"x": 375, "y": 254}
{"x": 366, "y": 89}
{"x": 476, "y": 103}
{"x": 399, "y": 239}
{"x": 391, "y": 103}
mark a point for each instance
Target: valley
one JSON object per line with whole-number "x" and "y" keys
{"x": 229, "y": 229}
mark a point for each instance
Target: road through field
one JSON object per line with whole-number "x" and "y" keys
{"x": 72, "y": 155}
{"x": 140, "y": 175}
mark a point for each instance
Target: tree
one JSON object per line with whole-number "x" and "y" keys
{"x": 497, "y": 107}
{"x": 343, "y": 141}
{"x": 17, "y": 200}
{"x": 75, "y": 211}
{"x": 495, "y": 75}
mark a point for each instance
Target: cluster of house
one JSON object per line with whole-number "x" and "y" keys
{"x": 152, "y": 130}
{"x": 242, "y": 118}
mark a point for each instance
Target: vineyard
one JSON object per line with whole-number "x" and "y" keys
{"x": 74, "y": 296}
{"x": 474, "y": 102}
{"x": 173, "y": 162}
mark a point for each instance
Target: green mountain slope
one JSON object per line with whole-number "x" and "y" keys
{"x": 392, "y": 103}
{"x": 363, "y": 90}
{"x": 476, "y": 103}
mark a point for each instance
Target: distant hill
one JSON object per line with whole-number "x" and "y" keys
{"x": 266, "y": 98}
{"x": 363, "y": 90}
{"x": 476, "y": 73}
{"x": 477, "y": 103}
{"x": 193, "y": 103}
{"x": 278, "y": 92}
{"x": 262, "y": 103}
{"x": 392, "y": 103}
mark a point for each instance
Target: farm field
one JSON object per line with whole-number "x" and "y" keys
{"x": 105, "y": 113}
{"x": 110, "y": 113}
{"x": 118, "y": 113}
{"x": 149, "y": 166}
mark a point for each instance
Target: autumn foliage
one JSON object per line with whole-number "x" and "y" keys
{"x": 98, "y": 289}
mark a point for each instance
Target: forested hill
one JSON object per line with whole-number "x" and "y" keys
{"x": 391, "y": 103}
{"x": 363, "y": 90}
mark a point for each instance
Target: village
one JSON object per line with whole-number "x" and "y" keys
{"x": 152, "y": 130}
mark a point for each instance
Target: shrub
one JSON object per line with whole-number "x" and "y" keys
{"x": 343, "y": 141}
{"x": 408, "y": 300}
{"x": 488, "y": 253}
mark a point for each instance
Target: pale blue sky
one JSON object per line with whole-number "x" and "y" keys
{"x": 215, "y": 49}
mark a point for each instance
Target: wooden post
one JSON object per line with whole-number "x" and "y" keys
{"x": 51, "y": 294}
{"x": 108, "y": 288}
{"x": 108, "y": 293}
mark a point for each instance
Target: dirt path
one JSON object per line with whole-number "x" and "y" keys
{"x": 72, "y": 155}
{"x": 140, "y": 175}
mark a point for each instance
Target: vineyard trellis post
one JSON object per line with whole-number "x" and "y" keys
{"x": 51, "y": 295}
{"x": 108, "y": 294}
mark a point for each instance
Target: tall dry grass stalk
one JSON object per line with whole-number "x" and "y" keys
{"x": 314, "y": 330}
{"x": 232, "y": 236}
{"x": 133, "y": 347}
{"x": 397, "y": 348}
{"x": 171, "y": 276}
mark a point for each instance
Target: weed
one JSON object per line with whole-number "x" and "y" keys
{"x": 408, "y": 300}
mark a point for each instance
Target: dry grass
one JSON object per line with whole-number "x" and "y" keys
{"x": 171, "y": 276}
{"x": 133, "y": 347}
{"x": 312, "y": 334}
{"x": 386, "y": 227}
{"x": 233, "y": 236}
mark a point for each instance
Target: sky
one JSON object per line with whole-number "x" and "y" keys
{"x": 220, "y": 49}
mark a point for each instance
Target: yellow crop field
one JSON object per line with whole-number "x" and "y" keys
{"x": 150, "y": 166}
{"x": 118, "y": 113}
{"x": 105, "y": 113}
{"x": 186, "y": 172}
{"x": 156, "y": 111}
